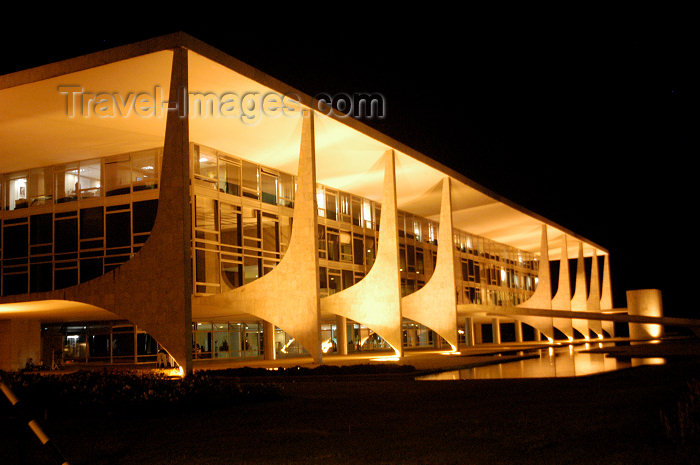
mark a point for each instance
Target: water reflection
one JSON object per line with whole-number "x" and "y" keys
{"x": 551, "y": 363}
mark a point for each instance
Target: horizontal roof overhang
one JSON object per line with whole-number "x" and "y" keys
{"x": 55, "y": 311}
{"x": 41, "y": 125}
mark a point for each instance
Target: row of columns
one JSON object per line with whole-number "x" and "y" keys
{"x": 288, "y": 296}
{"x": 585, "y": 298}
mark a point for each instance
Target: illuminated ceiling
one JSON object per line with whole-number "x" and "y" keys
{"x": 36, "y": 131}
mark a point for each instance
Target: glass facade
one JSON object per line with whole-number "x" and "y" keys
{"x": 67, "y": 224}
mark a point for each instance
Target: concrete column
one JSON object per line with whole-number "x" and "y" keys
{"x": 542, "y": 297}
{"x": 606, "y": 300}
{"x": 580, "y": 298}
{"x": 20, "y": 340}
{"x": 288, "y": 296}
{"x": 435, "y": 304}
{"x": 341, "y": 325}
{"x": 269, "y": 339}
{"x": 562, "y": 299}
{"x": 518, "y": 331}
{"x": 496, "y": 330}
{"x": 376, "y": 300}
{"x": 538, "y": 335}
{"x": 645, "y": 302}
{"x": 593, "y": 302}
{"x": 469, "y": 332}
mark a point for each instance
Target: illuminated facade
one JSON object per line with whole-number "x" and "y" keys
{"x": 224, "y": 234}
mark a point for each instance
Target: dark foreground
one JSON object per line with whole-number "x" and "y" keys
{"x": 608, "y": 419}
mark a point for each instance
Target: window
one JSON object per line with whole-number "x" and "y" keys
{"x": 229, "y": 177}
{"x": 269, "y": 187}
{"x": 40, "y": 186}
{"x": 230, "y": 225}
{"x": 90, "y": 179}
{"x": 287, "y": 190}
{"x": 333, "y": 245}
{"x": 345, "y": 246}
{"x": 117, "y": 175}
{"x": 144, "y": 170}
{"x": 331, "y": 206}
{"x": 67, "y": 183}
{"x": 251, "y": 180}
{"x": 205, "y": 168}
{"x": 17, "y": 191}
{"x": 345, "y": 215}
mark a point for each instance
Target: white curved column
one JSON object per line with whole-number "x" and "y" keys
{"x": 376, "y": 300}
{"x": 593, "y": 302}
{"x": 606, "y": 300}
{"x": 579, "y": 301}
{"x": 562, "y": 299}
{"x": 287, "y": 296}
{"x": 154, "y": 288}
{"x": 542, "y": 297}
{"x": 435, "y": 304}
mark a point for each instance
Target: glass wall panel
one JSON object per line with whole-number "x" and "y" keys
{"x": 356, "y": 212}
{"x": 369, "y": 250}
{"x": 220, "y": 340}
{"x": 92, "y": 223}
{"x": 251, "y": 180}
{"x": 331, "y": 206}
{"x": 347, "y": 278}
{"x": 321, "y": 241}
{"x": 251, "y": 227}
{"x": 269, "y": 188}
{"x": 345, "y": 246}
{"x": 17, "y": 191}
{"x": 235, "y": 340}
{"x": 333, "y": 245}
{"x": 367, "y": 214}
{"x": 90, "y": 179}
{"x": 334, "y": 281}
{"x": 117, "y": 175}
{"x": 67, "y": 183}
{"x": 229, "y": 177}
{"x": 66, "y": 235}
{"x": 41, "y": 229}
{"x": 286, "y": 189}
{"x": 207, "y": 266}
{"x": 270, "y": 234}
{"x": 231, "y": 275}
{"x": 285, "y": 225}
{"x": 230, "y": 225}
{"x": 345, "y": 208}
{"x": 118, "y": 229}
{"x": 321, "y": 201}
{"x": 144, "y": 215}
{"x": 40, "y": 186}
{"x": 144, "y": 170}
{"x": 358, "y": 251}
{"x": 206, "y": 213}
{"x": 420, "y": 268}
{"x": 252, "y": 340}
{"x": 205, "y": 164}
{"x": 251, "y": 269}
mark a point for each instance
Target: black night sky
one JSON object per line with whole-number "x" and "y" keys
{"x": 587, "y": 124}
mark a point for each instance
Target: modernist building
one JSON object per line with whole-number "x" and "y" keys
{"x": 166, "y": 194}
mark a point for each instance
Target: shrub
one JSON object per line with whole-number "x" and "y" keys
{"x": 90, "y": 392}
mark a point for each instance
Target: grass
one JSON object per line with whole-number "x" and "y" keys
{"x": 609, "y": 418}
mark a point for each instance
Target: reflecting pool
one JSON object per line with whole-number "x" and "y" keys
{"x": 556, "y": 362}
